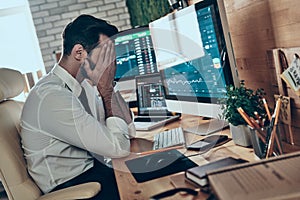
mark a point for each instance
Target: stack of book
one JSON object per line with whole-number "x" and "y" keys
{"x": 198, "y": 174}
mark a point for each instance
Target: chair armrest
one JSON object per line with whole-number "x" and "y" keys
{"x": 82, "y": 191}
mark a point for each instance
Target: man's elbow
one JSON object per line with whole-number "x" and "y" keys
{"x": 121, "y": 150}
{"x": 121, "y": 154}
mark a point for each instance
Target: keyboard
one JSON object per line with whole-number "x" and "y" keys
{"x": 208, "y": 127}
{"x": 169, "y": 138}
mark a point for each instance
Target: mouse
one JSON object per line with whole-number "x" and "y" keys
{"x": 160, "y": 160}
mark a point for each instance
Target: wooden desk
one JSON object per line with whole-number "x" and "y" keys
{"x": 129, "y": 189}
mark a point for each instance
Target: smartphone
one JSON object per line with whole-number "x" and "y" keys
{"x": 208, "y": 142}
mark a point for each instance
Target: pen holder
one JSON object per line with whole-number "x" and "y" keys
{"x": 257, "y": 144}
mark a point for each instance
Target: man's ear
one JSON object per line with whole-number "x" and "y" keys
{"x": 78, "y": 52}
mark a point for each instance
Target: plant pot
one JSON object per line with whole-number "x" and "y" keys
{"x": 241, "y": 135}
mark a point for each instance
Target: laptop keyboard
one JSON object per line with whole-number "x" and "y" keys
{"x": 169, "y": 138}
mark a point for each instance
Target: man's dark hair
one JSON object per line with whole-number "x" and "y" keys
{"x": 85, "y": 30}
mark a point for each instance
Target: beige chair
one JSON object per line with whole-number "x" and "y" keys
{"x": 13, "y": 174}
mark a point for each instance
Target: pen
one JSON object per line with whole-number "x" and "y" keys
{"x": 273, "y": 127}
{"x": 259, "y": 132}
{"x": 267, "y": 108}
{"x": 268, "y": 138}
{"x": 258, "y": 118}
{"x": 245, "y": 117}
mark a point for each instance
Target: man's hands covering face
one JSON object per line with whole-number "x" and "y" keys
{"x": 100, "y": 69}
{"x": 100, "y": 66}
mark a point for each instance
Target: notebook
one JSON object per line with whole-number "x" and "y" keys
{"x": 198, "y": 174}
{"x": 152, "y": 109}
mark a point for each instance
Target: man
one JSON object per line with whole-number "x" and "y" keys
{"x": 66, "y": 120}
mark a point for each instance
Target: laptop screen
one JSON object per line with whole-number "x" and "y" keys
{"x": 150, "y": 93}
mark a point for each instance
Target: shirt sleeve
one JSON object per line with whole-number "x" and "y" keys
{"x": 62, "y": 115}
{"x": 131, "y": 127}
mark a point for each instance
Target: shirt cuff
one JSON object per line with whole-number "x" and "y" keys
{"x": 131, "y": 130}
{"x": 116, "y": 123}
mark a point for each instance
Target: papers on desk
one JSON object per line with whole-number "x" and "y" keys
{"x": 275, "y": 178}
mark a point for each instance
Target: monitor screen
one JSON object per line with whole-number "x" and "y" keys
{"x": 134, "y": 56}
{"x": 150, "y": 94}
{"x": 195, "y": 58}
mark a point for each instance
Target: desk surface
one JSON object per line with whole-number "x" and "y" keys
{"x": 129, "y": 189}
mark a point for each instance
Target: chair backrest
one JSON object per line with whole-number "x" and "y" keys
{"x": 13, "y": 173}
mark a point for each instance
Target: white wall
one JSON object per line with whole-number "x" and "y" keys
{"x": 19, "y": 43}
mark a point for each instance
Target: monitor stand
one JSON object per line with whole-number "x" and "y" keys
{"x": 208, "y": 127}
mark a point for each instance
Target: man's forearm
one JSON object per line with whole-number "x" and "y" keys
{"x": 124, "y": 107}
{"x": 114, "y": 105}
{"x": 106, "y": 94}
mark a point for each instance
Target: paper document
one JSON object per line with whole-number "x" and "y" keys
{"x": 292, "y": 74}
{"x": 276, "y": 179}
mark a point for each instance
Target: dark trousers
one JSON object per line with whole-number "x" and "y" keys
{"x": 98, "y": 173}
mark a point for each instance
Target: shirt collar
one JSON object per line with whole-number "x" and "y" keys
{"x": 69, "y": 80}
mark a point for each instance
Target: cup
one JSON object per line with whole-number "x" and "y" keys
{"x": 257, "y": 144}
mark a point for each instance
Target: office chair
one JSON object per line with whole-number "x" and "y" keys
{"x": 13, "y": 173}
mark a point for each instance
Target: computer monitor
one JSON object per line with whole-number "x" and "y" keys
{"x": 151, "y": 99}
{"x": 134, "y": 56}
{"x": 195, "y": 58}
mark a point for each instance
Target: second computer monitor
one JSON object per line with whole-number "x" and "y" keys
{"x": 134, "y": 56}
{"x": 151, "y": 99}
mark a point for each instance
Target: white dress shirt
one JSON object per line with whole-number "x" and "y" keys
{"x": 58, "y": 133}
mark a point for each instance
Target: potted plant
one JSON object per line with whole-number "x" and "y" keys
{"x": 250, "y": 101}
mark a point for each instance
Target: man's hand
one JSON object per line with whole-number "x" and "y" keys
{"x": 100, "y": 66}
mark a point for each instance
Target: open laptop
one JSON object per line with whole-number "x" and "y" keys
{"x": 152, "y": 109}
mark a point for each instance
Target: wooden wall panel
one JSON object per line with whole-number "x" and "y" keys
{"x": 286, "y": 25}
{"x": 286, "y": 22}
{"x": 251, "y": 33}
{"x": 257, "y": 26}
{"x": 284, "y": 35}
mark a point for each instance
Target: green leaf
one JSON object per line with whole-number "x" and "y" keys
{"x": 243, "y": 97}
{"x": 142, "y": 12}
